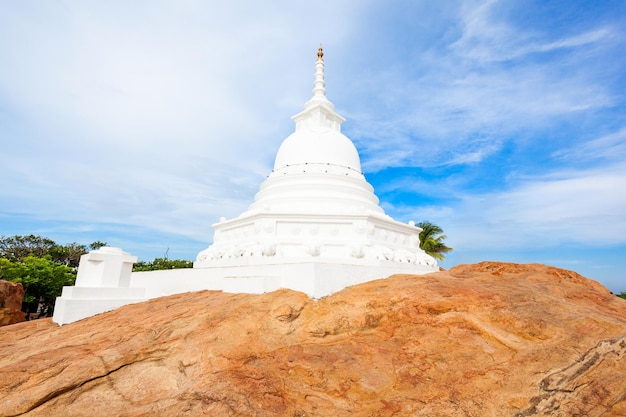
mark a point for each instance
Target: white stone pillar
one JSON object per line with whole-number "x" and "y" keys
{"x": 105, "y": 267}
{"x": 102, "y": 284}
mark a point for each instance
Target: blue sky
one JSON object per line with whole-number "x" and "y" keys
{"x": 142, "y": 123}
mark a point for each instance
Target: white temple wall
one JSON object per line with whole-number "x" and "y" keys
{"x": 315, "y": 277}
{"x": 76, "y": 303}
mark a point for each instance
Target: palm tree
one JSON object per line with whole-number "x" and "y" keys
{"x": 431, "y": 240}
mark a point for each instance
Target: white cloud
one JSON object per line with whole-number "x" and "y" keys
{"x": 584, "y": 207}
{"x": 445, "y": 119}
{"x": 487, "y": 35}
{"x": 611, "y": 147}
{"x": 461, "y": 104}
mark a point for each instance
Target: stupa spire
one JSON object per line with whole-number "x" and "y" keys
{"x": 319, "y": 90}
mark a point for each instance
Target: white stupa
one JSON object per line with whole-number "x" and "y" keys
{"x": 316, "y": 205}
{"x": 315, "y": 226}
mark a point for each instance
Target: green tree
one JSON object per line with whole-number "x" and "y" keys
{"x": 96, "y": 245}
{"x": 432, "y": 240}
{"x": 5, "y": 265}
{"x": 162, "y": 263}
{"x": 16, "y": 248}
{"x": 42, "y": 266}
{"x": 68, "y": 255}
{"x": 42, "y": 279}
{"x": 622, "y": 295}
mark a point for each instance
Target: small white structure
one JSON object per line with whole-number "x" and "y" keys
{"x": 314, "y": 226}
{"x": 102, "y": 284}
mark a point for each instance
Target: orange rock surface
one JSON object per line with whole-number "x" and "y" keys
{"x": 11, "y": 296}
{"x": 491, "y": 339}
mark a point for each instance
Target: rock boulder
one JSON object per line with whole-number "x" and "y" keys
{"x": 11, "y": 296}
{"x": 491, "y": 339}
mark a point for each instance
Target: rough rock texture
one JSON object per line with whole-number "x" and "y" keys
{"x": 11, "y": 296}
{"x": 490, "y": 339}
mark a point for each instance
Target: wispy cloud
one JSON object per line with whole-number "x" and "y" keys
{"x": 488, "y": 37}
{"x": 460, "y": 103}
{"x": 610, "y": 147}
{"x": 585, "y": 207}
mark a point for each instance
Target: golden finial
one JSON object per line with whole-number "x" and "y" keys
{"x": 320, "y": 53}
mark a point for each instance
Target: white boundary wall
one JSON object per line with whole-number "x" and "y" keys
{"x": 95, "y": 292}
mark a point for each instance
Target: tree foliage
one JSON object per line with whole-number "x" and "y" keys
{"x": 162, "y": 263}
{"x": 96, "y": 245}
{"x": 622, "y": 295}
{"x": 432, "y": 240}
{"x": 68, "y": 255}
{"x": 16, "y": 248}
{"x": 42, "y": 266}
{"x": 42, "y": 279}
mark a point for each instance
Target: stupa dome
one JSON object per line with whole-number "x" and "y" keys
{"x": 317, "y": 140}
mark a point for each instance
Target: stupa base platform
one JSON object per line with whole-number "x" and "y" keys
{"x": 315, "y": 277}
{"x": 77, "y": 303}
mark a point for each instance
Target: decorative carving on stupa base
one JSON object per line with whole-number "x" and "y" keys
{"x": 268, "y": 250}
{"x": 285, "y": 238}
